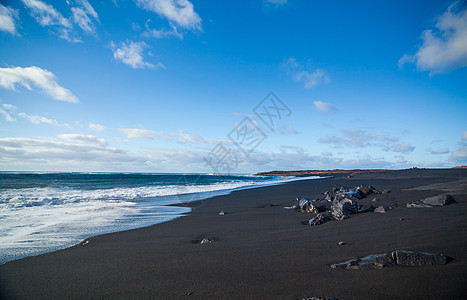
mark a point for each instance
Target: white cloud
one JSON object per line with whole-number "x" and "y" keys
{"x": 180, "y": 12}
{"x": 8, "y": 106}
{"x": 362, "y": 139}
{"x": 191, "y": 138}
{"x": 84, "y": 139}
{"x": 7, "y": 19}
{"x": 310, "y": 78}
{"x": 7, "y": 116}
{"x": 439, "y": 151}
{"x": 161, "y": 33}
{"x": 47, "y": 16}
{"x": 34, "y": 119}
{"x": 137, "y": 133}
{"x": 459, "y": 156}
{"x": 35, "y": 76}
{"x": 444, "y": 48}
{"x": 82, "y": 16}
{"x": 324, "y": 107}
{"x": 404, "y": 148}
{"x": 96, "y": 127}
{"x": 48, "y": 153}
{"x": 131, "y": 54}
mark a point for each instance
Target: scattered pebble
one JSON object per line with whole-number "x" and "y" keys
{"x": 401, "y": 219}
{"x": 342, "y": 243}
{"x": 189, "y": 293}
{"x": 222, "y": 213}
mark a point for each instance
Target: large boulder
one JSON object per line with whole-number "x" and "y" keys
{"x": 341, "y": 208}
{"x": 439, "y": 200}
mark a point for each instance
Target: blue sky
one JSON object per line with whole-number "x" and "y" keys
{"x": 172, "y": 85}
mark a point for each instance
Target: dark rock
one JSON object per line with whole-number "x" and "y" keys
{"x": 381, "y": 209}
{"x": 340, "y": 209}
{"x": 318, "y": 220}
{"x": 208, "y": 240}
{"x": 365, "y": 208}
{"x": 438, "y": 200}
{"x": 418, "y": 259}
{"x": 386, "y": 192}
{"x": 341, "y": 243}
{"x": 307, "y": 206}
{"x": 319, "y": 298}
{"x": 418, "y": 205}
{"x": 374, "y": 261}
{"x": 221, "y": 213}
{"x": 395, "y": 258}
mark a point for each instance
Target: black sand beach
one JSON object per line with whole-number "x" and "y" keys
{"x": 264, "y": 251}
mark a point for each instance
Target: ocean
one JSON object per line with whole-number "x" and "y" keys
{"x": 44, "y": 212}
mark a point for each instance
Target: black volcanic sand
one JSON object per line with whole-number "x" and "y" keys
{"x": 264, "y": 251}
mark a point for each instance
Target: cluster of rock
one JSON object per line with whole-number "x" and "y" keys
{"x": 438, "y": 200}
{"x": 344, "y": 202}
{"x": 395, "y": 258}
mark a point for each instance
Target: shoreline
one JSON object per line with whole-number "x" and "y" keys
{"x": 263, "y": 250}
{"x": 145, "y": 205}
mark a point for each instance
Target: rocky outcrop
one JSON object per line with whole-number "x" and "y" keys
{"x": 395, "y": 258}
{"x": 438, "y": 200}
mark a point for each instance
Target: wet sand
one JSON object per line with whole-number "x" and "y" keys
{"x": 263, "y": 251}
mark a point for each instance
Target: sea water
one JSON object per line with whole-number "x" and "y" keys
{"x": 44, "y": 212}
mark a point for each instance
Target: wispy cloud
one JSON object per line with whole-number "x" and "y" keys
{"x": 310, "y": 78}
{"x": 37, "y": 77}
{"x": 96, "y": 127}
{"x": 82, "y": 15}
{"x": 47, "y": 16}
{"x": 404, "y": 148}
{"x": 439, "y": 151}
{"x": 459, "y": 156}
{"x": 362, "y": 139}
{"x": 324, "y": 107}
{"x": 275, "y": 3}
{"x": 34, "y": 119}
{"x": 180, "y": 12}
{"x": 8, "y": 18}
{"x": 131, "y": 54}
{"x": 161, "y": 33}
{"x": 83, "y": 139}
{"x": 445, "y": 47}
{"x": 138, "y": 133}
{"x": 6, "y": 111}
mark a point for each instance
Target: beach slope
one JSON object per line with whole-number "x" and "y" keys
{"x": 259, "y": 250}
